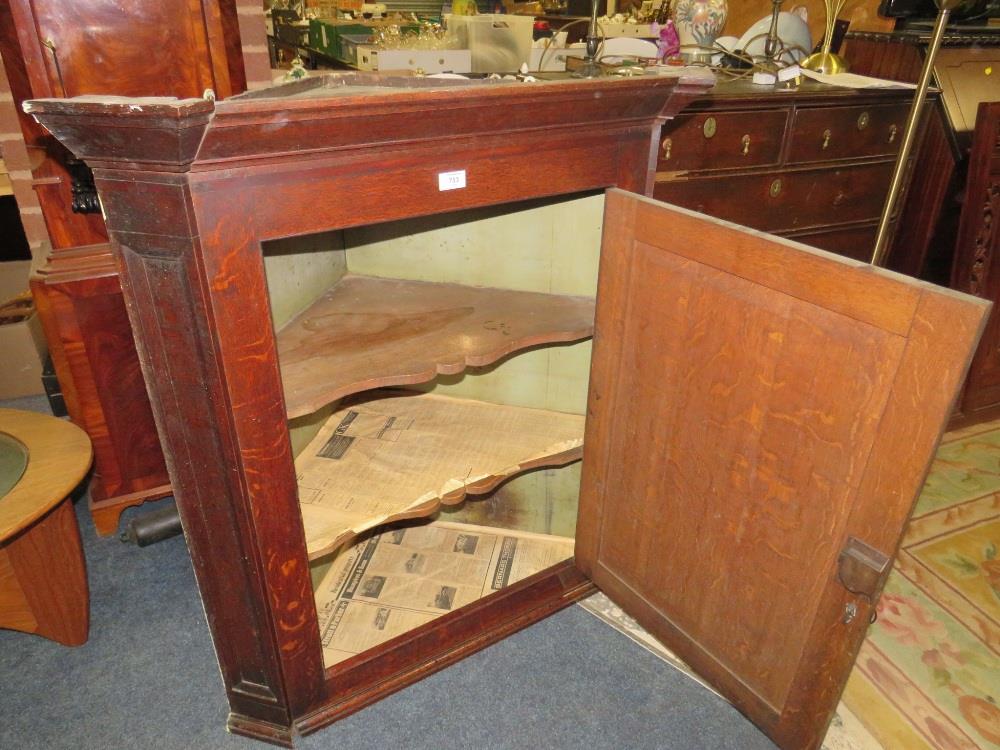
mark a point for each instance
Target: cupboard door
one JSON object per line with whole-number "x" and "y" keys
{"x": 761, "y": 418}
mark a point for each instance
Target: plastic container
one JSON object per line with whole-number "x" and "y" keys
{"x": 499, "y": 42}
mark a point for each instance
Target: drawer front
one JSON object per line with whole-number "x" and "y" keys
{"x": 853, "y": 242}
{"x": 721, "y": 140}
{"x": 784, "y": 201}
{"x": 825, "y": 133}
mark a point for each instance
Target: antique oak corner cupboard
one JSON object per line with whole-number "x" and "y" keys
{"x": 759, "y": 421}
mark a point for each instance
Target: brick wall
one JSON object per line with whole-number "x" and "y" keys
{"x": 15, "y": 155}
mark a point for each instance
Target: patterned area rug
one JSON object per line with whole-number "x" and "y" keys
{"x": 928, "y": 675}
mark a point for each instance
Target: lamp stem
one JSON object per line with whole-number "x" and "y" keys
{"x": 591, "y": 68}
{"x": 771, "y": 45}
{"x": 909, "y": 135}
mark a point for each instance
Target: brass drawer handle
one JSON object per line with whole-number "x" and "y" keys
{"x": 745, "y": 142}
{"x": 667, "y": 144}
{"x": 826, "y": 138}
{"x": 775, "y": 190}
{"x": 892, "y": 133}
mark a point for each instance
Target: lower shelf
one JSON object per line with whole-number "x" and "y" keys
{"x": 404, "y": 456}
{"x": 405, "y": 577}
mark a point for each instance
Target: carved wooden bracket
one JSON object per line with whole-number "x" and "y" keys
{"x": 982, "y": 257}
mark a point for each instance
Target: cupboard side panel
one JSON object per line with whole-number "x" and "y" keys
{"x": 609, "y": 325}
{"x": 251, "y": 589}
{"x": 235, "y": 288}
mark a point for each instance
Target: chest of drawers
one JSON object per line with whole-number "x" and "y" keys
{"x": 813, "y": 164}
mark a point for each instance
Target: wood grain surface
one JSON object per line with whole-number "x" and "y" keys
{"x": 367, "y": 332}
{"x": 79, "y": 299}
{"x": 812, "y": 163}
{"x": 43, "y": 580}
{"x": 58, "y": 48}
{"x": 727, "y": 463}
{"x": 191, "y": 189}
{"x": 59, "y": 456}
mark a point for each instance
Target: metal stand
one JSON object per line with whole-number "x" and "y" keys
{"x": 910, "y": 131}
{"x": 590, "y": 68}
{"x": 152, "y": 527}
{"x": 771, "y": 45}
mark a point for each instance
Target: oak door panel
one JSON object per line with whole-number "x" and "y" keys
{"x": 742, "y": 394}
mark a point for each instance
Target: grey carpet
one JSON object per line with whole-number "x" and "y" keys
{"x": 147, "y": 678}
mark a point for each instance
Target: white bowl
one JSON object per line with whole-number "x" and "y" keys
{"x": 792, "y": 31}
{"x": 728, "y": 43}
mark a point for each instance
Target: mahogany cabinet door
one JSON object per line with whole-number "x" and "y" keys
{"x": 761, "y": 419}
{"x": 128, "y": 47}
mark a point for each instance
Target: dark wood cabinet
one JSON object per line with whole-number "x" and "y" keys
{"x": 976, "y": 269}
{"x": 964, "y": 70}
{"x": 80, "y": 303}
{"x": 946, "y": 231}
{"x": 813, "y": 164}
{"x": 743, "y": 514}
{"x": 132, "y": 48}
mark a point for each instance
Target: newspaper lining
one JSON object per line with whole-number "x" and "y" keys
{"x": 403, "y": 456}
{"x": 402, "y": 578}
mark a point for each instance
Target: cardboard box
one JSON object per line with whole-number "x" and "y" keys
{"x": 630, "y": 30}
{"x": 22, "y": 349}
{"x": 429, "y": 61}
{"x": 499, "y": 42}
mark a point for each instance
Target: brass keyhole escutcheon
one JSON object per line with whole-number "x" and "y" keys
{"x": 709, "y": 127}
{"x": 827, "y": 135}
{"x": 893, "y": 130}
{"x": 668, "y": 143}
{"x": 775, "y": 190}
{"x": 863, "y": 119}
{"x": 745, "y": 144}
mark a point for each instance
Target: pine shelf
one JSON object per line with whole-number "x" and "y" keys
{"x": 368, "y": 332}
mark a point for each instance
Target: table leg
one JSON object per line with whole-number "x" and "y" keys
{"x": 43, "y": 579}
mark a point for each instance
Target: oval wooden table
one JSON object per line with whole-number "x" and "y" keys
{"x": 43, "y": 580}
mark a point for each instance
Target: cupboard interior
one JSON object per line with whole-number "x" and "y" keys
{"x": 527, "y": 274}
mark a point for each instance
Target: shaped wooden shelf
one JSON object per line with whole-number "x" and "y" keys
{"x": 404, "y": 456}
{"x": 368, "y": 332}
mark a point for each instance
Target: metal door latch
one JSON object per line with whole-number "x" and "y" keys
{"x": 861, "y": 569}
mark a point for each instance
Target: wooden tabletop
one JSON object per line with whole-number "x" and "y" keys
{"x": 59, "y": 455}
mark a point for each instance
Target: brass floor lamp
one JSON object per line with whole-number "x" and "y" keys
{"x": 945, "y": 7}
